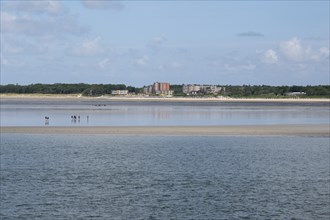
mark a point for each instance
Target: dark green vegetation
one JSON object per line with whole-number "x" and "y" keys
{"x": 263, "y": 91}
{"x": 59, "y": 88}
{"x": 177, "y": 90}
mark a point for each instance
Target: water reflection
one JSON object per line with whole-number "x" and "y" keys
{"x": 130, "y": 114}
{"x": 160, "y": 114}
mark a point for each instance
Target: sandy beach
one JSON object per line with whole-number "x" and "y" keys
{"x": 153, "y": 99}
{"x": 281, "y": 130}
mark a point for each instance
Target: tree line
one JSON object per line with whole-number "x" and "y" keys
{"x": 227, "y": 90}
{"x": 277, "y": 91}
{"x": 61, "y": 88}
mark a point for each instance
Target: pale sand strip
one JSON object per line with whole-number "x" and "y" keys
{"x": 73, "y": 97}
{"x": 282, "y": 130}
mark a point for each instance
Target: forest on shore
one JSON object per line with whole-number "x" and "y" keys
{"x": 252, "y": 91}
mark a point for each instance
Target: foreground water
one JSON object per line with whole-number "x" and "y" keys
{"x": 155, "y": 177}
{"x": 112, "y": 113}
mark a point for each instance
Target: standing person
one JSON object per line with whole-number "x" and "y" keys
{"x": 46, "y": 120}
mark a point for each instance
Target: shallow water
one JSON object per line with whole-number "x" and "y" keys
{"x": 110, "y": 113}
{"x": 154, "y": 177}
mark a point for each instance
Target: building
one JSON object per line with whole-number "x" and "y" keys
{"x": 119, "y": 92}
{"x": 210, "y": 89}
{"x": 193, "y": 89}
{"x": 158, "y": 88}
{"x": 295, "y": 93}
{"x": 147, "y": 90}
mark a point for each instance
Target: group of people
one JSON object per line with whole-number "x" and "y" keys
{"x": 74, "y": 118}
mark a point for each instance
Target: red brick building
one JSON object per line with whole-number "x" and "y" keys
{"x": 158, "y": 88}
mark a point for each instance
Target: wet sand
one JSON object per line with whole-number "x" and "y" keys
{"x": 280, "y": 130}
{"x": 152, "y": 99}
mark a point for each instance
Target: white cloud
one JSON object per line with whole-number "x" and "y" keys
{"x": 269, "y": 57}
{"x": 293, "y": 50}
{"x": 90, "y": 47}
{"x": 104, "y": 63}
{"x": 158, "y": 40}
{"x": 39, "y": 26}
{"x": 324, "y": 52}
{"x": 36, "y": 7}
{"x": 7, "y": 17}
{"x": 11, "y": 23}
{"x": 296, "y": 51}
{"x": 102, "y": 4}
{"x": 51, "y": 7}
{"x": 143, "y": 61}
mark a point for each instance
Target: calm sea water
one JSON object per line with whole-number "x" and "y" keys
{"x": 154, "y": 177}
{"x": 110, "y": 113}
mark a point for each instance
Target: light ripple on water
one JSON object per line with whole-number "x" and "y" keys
{"x": 128, "y": 177}
{"x": 32, "y": 113}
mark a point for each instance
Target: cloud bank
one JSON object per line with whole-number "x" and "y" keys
{"x": 38, "y": 18}
{"x": 295, "y": 50}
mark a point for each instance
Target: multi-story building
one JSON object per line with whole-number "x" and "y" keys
{"x": 158, "y": 88}
{"x": 147, "y": 90}
{"x": 191, "y": 89}
{"x": 210, "y": 89}
{"x": 119, "y": 92}
{"x": 194, "y": 89}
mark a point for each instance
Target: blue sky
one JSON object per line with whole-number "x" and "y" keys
{"x": 139, "y": 42}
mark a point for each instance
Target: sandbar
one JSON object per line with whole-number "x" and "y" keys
{"x": 242, "y": 130}
{"x": 154, "y": 99}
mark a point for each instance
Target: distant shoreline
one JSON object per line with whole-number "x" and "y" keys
{"x": 243, "y": 130}
{"x": 156, "y": 99}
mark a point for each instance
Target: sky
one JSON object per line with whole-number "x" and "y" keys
{"x": 181, "y": 42}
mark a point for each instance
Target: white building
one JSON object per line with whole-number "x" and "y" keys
{"x": 119, "y": 92}
{"x": 191, "y": 89}
{"x": 295, "y": 93}
{"x": 194, "y": 89}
